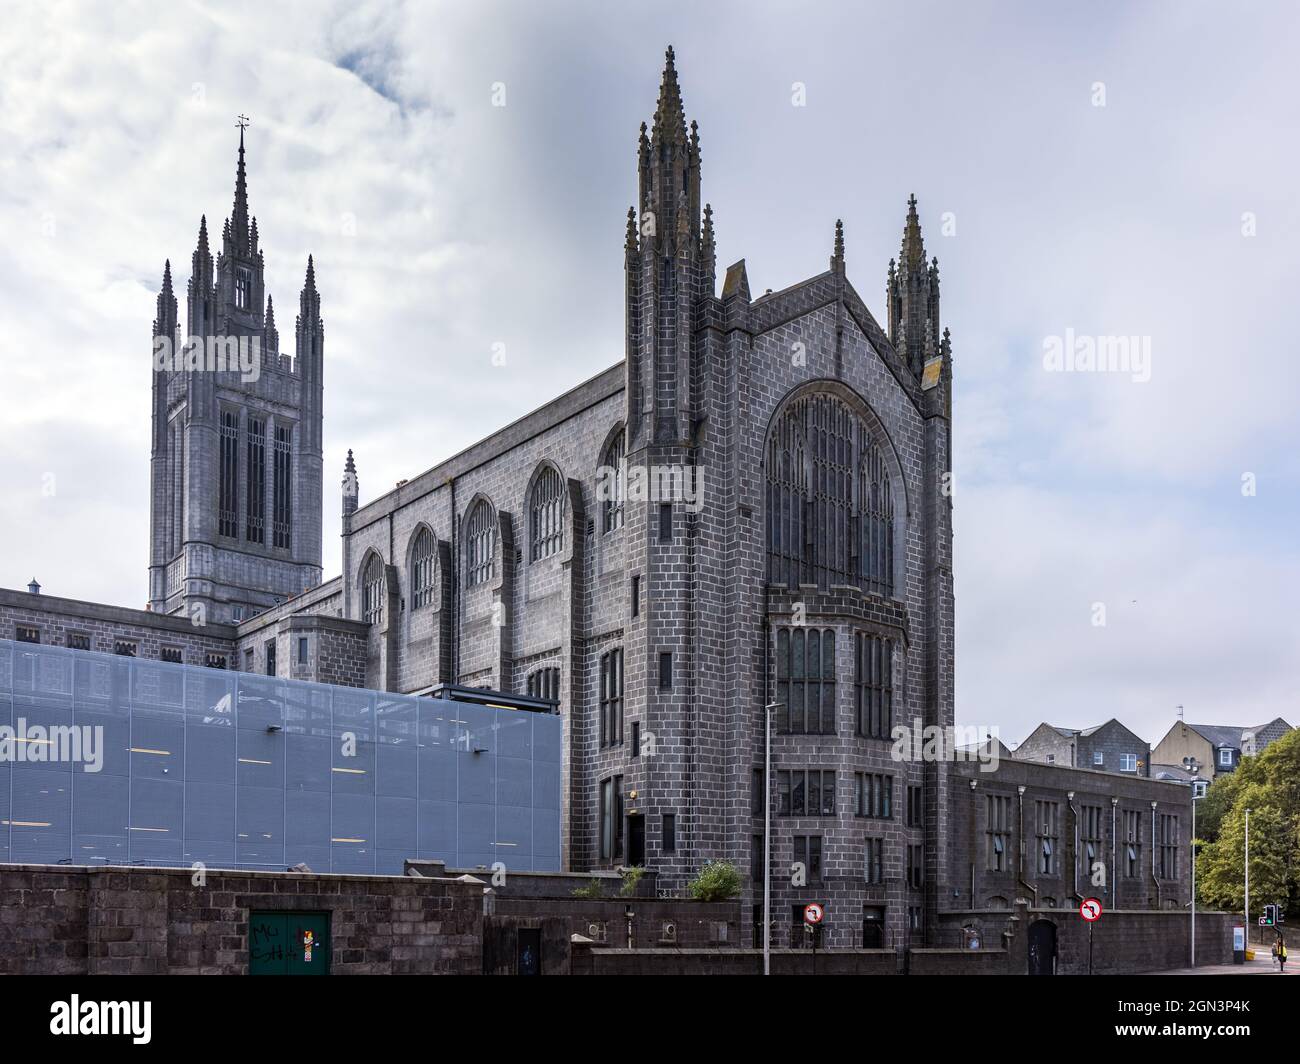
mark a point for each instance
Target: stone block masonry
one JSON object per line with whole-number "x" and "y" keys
{"x": 57, "y": 920}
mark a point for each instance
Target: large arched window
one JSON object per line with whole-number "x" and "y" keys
{"x": 480, "y": 541}
{"x": 830, "y": 512}
{"x": 613, "y": 471}
{"x": 422, "y": 569}
{"x": 546, "y": 514}
{"x": 372, "y": 590}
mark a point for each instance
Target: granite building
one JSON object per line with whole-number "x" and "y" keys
{"x": 235, "y": 468}
{"x": 783, "y": 536}
{"x": 749, "y": 509}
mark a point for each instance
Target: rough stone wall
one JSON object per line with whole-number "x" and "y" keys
{"x": 136, "y": 921}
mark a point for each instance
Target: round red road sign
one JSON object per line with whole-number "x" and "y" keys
{"x": 1090, "y": 910}
{"x": 813, "y": 913}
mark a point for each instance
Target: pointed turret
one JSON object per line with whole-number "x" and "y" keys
{"x": 351, "y": 485}
{"x": 670, "y": 260}
{"x": 270, "y": 335}
{"x": 837, "y": 255}
{"x": 912, "y": 254}
{"x": 165, "y": 319}
{"x": 670, "y": 115}
{"x": 310, "y": 330}
{"x": 201, "y": 305}
{"x": 912, "y": 295}
{"x": 669, "y": 162}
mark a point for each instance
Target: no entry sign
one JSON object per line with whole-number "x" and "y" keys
{"x": 1090, "y": 910}
{"x": 813, "y": 913}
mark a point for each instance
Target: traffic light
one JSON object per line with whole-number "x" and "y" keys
{"x": 1270, "y": 916}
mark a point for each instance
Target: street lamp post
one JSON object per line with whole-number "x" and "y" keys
{"x": 767, "y": 835}
{"x": 1195, "y": 798}
{"x": 1247, "y": 916}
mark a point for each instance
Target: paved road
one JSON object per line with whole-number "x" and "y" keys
{"x": 1261, "y": 965}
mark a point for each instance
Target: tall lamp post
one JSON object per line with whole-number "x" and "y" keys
{"x": 1197, "y": 795}
{"x": 768, "y": 710}
{"x": 1247, "y": 916}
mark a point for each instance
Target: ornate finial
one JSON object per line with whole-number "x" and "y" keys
{"x": 242, "y": 122}
{"x": 631, "y": 243}
{"x": 349, "y": 466}
{"x": 945, "y": 346}
{"x": 670, "y": 116}
{"x": 837, "y": 258}
{"x": 310, "y": 283}
{"x": 167, "y": 276}
{"x": 912, "y": 255}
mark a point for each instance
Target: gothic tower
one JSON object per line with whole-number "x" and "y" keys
{"x": 236, "y": 457}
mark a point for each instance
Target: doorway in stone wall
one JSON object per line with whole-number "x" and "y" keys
{"x": 1042, "y": 948}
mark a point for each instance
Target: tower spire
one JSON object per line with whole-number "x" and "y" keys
{"x": 239, "y": 215}
{"x": 670, "y": 115}
{"x": 837, "y": 256}
{"x": 912, "y": 253}
{"x": 912, "y": 287}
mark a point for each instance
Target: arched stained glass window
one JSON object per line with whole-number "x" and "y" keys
{"x": 546, "y": 511}
{"x": 614, "y": 473}
{"x": 480, "y": 541}
{"x": 422, "y": 569}
{"x": 830, "y": 509}
{"x": 372, "y": 590}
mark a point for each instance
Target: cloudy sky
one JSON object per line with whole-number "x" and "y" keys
{"x": 1103, "y": 171}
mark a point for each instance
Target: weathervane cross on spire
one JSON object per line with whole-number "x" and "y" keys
{"x": 242, "y": 121}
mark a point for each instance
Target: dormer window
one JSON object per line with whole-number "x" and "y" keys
{"x": 1225, "y": 759}
{"x": 243, "y": 282}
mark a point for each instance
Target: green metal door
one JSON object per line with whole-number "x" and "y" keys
{"x": 288, "y": 943}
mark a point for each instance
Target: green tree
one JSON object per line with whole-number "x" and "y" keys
{"x": 1221, "y": 879}
{"x": 1218, "y": 800}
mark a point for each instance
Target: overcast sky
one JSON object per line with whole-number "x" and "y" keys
{"x": 1110, "y": 170}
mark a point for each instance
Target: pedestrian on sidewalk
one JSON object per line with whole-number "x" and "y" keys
{"x": 1279, "y": 951}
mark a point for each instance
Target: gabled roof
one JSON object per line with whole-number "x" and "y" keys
{"x": 1220, "y": 735}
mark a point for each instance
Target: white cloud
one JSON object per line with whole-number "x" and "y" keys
{"x": 477, "y": 224}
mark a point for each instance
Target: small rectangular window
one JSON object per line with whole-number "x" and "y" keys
{"x": 670, "y": 833}
{"x": 302, "y": 650}
{"x": 666, "y": 670}
{"x": 636, "y": 738}
{"x": 665, "y": 521}
{"x": 172, "y": 654}
{"x": 78, "y": 641}
{"x": 1098, "y": 758}
{"x": 215, "y": 661}
{"x": 25, "y": 633}
{"x": 125, "y": 648}
{"x": 270, "y": 657}
{"x": 636, "y": 596}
